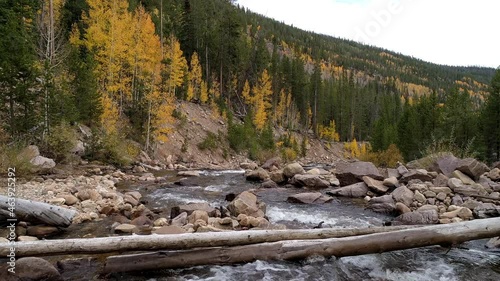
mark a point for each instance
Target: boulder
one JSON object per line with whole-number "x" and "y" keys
{"x": 417, "y": 218}
{"x": 430, "y": 194}
{"x": 41, "y": 162}
{"x": 309, "y": 181}
{"x": 440, "y": 189}
{"x": 125, "y": 228}
{"x": 190, "y": 208}
{"x": 351, "y": 173}
{"x": 31, "y": 268}
{"x": 402, "y": 208}
{"x": 494, "y": 174}
{"x": 272, "y": 162}
{"x": 293, "y": 169}
{"x": 403, "y": 194}
{"x": 246, "y": 203}
{"x": 461, "y": 212}
{"x": 375, "y": 185}
{"x": 309, "y": 198}
{"x": 416, "y": 174}
{"x": 142, "y": 221}
{"x": 440, "y": 180}
{"x": 441, "y": 196}
{"x": 269, "y": 184}
{"x": 180, "y": 219}
{"x": 472, "y": 167}
{"x": 382, "y": 204}
{"x": 198, "y": 215}
{"x": 486, "y": 210}
{"x": 357, "y": 190}
{"x": 471, "y": 190}
{"x": 455, "y": 183}
{"x": 461, "y": 176}
{"x": 257, "y": 175}
{"x": 393, "y": 173}
{"x": 391, "y": 182}
{"x": 249, "y": 166}
{"x": 277, "y": 176}
{"x": 78, "y": 149}
{"x": 446, "y": 165}
{"x": 419, "y": 197}
{"x": 402, "y": 170}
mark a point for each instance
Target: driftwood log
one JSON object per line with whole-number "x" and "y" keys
{"x": 179, "y": 241}
{"x": 33, "y": 211}
{"x": 450, "y": 234}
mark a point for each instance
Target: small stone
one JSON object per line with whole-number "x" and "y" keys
{"x": 26, "y": 238}
{"x": 56, "y": 201}
{"x": 170, "y": 229}
{"x": 160, "y": 222}
{"x": 125, "y": 228}
{"x": 441, "y": 196}
{"x": 419, "y": 197}
{"x": 402, "y": 208}
{"x": 391, "y": 182}
{"x": 430, "y": 194}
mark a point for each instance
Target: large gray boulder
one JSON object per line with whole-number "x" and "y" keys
{"x": 293, "y": 169}
{"x": 472, "y": 167}
{"x": 246, "y": 203}
{"x": 403, "y": 194}
{"x": 41, "y": 162}
{"x": 446, "y": 165}
{"x": 351, "y": 173}
{"x": 257, "y": 175}
{"x": 309, "y": 198}
{"x": 31, "y": 269}
{"x": 382, "y": 204}
{"x": 375, "y": 185}
{"x": 309, "y": 181}
{"x": 357, "y": 190}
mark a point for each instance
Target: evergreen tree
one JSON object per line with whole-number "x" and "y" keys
{"x": 490, "y": 121}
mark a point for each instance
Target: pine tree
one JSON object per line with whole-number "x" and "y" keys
{"x": 490, "y": 121}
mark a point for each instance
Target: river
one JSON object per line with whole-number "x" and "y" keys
{"x": 469, "y": 262}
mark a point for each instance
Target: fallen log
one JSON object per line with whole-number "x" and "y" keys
{"x": 179, "y": 241}
{"x": 450, "y": 234}
{"x": 33, "y": 211}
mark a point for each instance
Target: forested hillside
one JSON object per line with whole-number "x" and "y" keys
{"x": 119, "y": 66}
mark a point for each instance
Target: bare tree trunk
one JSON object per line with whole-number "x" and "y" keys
{"x": 32, "y": 211}
{"x": 181, "y": 241}
{"x": 450, "y": 234}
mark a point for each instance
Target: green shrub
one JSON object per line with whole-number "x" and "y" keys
{"x": 12, "y": 156}
{"x": 112, "y": 148}
{"x": 60, "y": 142}
{"x": 211, "y": 142}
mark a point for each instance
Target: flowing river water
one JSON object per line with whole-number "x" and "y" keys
{"x": 469, "y": 262}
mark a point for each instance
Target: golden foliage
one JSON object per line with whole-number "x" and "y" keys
{"x": 388, "y": 158}
{"x": 195, "y": 78}
{"x": 329, "y": 132}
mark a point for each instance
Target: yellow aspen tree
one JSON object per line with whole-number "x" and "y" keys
{"x": 110, "y": 115}
{"x": 262, "y": 93}
{"x": 246, "y": 93}
{"x": 195, "y": 78}
{"x": 281, "y": 108}
{"x": 214, "y": 93}
{"x": 204, "y": 92}
{"x": 353, "y": 146}
{"x": 177, "y": 64}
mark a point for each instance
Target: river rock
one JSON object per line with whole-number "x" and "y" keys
{"x": 309, "y": 198}
{"x": 488, "y": 184}
{"x": 277, "y": 176}
{"x": 440, "y": 189}
{"x": 382, "y": 204}
{"x": 446, "y": 164}
{"x": 494, "y": 174}
{"x": 32, "y": 269}
{"x": 391, "y": 182}
{"x": 403, "y": 194}
{"x": 470, "y": 190}
{"x": 191, "y": 207}
{"x": 188, "y": 173}
{"x": 472, "y": 167}
{"x": 427, "y": 208}
{"x": 160, "y": 222}
{"x": 180, "y": 219}
{"x": 357, "y": 190}
{"x": 401, "y": 170}
{"x": 69, "y": 199}
{"x": 440, "y": 180}
{"x": 418, "y": 187}
{"x": 463, "y": 177}
{"x": 198, "y": 215}
{"x": 41, "y": 162}
{"x": 351, "y": 173}
{"x": 441, "y": 196}
{"x": 415, "y": 174}
{"x": 245, "y": 203}
{"x": 486, "y": 210}
{"x": 42, "y": 231}
{"x": 454, "y": 183}
{"x": 309, "y": 181}
{"x": 142, "y": 221}
{"x": 125, "y": 228}
{"x": 461, "y": 212}
{"x": 135, "y": 194}
{"x": 393, "y": 173}
{"x": 257, "y": 175}
{"x": 430, "y": 194}
{"x": 293, "y": 169}
{"x": 419, "y": 197}
{"x": 276, "y": 162}
{"x": 269, "y": 184}
{"x": 402, "y": 208}
{"x": 375, "y": 185}
{"x": 169, "y": 229}
{"x": 417, "y": 218}
{"x": 249, "y": 166}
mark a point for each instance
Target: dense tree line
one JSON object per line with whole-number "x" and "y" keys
{"x": 118, "y": 66}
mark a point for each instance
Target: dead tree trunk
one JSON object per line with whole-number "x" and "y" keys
{"x": 179, "y": 241}
{"x": 450, "y": 234}
{"x": 32, "y": 211}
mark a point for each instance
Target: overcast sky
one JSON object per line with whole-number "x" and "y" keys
{"x": 452, "y": 32}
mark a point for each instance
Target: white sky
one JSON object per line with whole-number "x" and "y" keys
{"x": 452, "y": 32}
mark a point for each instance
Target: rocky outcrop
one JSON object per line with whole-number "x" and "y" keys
{"x": 351, "y": 173}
